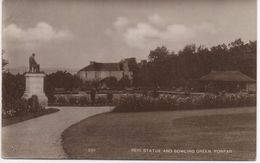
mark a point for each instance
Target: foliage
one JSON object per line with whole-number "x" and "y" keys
{"x": 101, "y": 100}
{"x": 155, "y": 93}
{"x": 167, "y": 69}
{"x": 73, "y": 100}
{"x": 145, "y": 103}
{"x": 124, "y": 82}
{"x": 109, "y": 97}
{"x": 8, "y": 120}
{"x": 110, "y": 82}
{"x": 164, "y": 69}
{"x": 89, "y": 85}
{"x": 60, "y": 79}
{"x": 4, "y": 64}
{"x": 21, "y": 106}
{"x": 4, "y": 61}
{"x": 62, "y": 100}
{"x": 34, "y": 104}
{"x": 12, "y": 91}
{"x": 93, "y": 95}
{"x": 83, "y": 101}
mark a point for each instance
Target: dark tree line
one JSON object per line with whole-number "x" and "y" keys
{"x": 13, "y": 87}
{"x": 61, "y": 79}
{"x": 168, "y": 69}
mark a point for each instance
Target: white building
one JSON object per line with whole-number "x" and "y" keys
{"x": 97, "y": 71}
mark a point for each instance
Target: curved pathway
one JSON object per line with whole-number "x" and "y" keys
{"x": 41, "y": 137}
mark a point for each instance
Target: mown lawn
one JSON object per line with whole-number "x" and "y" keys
{"x": 123, "y": 135}
{"x": 27, "y": 116}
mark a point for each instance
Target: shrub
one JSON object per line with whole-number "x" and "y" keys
{"x": 101, "y": 100}
{"x": 62, "y": 100}
{"x": 83, "y": 100}
{"x": 93, "y": 95}
{"x": 133, "y": 103}
{"x": 73, "y": 100}
{"x": 7, "y": 113}
{"x": 21, "y": 106}
{"x": 185, "y": 102}
{"x": 110, "y": 82}
{"x": 33, "y": 103}
{"x": 155, "y": 93}
{"x": 51, "y": 98}
{"x": 124, "y": 82}
{"x": 109, "y": 97}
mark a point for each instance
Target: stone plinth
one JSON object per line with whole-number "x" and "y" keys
{"x": 35, "y": 86}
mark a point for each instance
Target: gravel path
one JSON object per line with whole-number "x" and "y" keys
{"x": 41, "y": 137}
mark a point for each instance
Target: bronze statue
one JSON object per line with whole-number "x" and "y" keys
{"x": 34, "y": 66}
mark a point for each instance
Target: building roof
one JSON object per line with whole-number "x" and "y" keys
{"x": 230, "y": 76}
{"x": 95, "y": 66}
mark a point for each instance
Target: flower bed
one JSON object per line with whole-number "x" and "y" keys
{"x": 175, "y": 102}
{"x": 19, "y": 107}
{"x": 26, "y": 116}
{"x": 101, "y": 99}
{"x": 84, "y": 100}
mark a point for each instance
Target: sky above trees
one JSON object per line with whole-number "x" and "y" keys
{"x": 69, "y": 34}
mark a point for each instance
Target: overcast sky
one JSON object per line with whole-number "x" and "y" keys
{"x": 70, "y": 33}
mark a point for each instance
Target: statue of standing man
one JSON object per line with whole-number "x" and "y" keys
{"x": 34, "y": 66}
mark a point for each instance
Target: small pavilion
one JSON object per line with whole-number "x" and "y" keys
{"x": 230, "y": 81}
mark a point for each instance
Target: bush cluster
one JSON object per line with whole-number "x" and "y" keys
{"x": 146, "y": 103}
{"x": 20, "y": 107}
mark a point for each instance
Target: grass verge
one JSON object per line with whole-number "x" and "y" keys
{"x": 146, "y": 135}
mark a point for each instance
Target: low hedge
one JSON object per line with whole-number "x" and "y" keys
{"x": 85, "y": 100}
{"x": 136, "y": 104}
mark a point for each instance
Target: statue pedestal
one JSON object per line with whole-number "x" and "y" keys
{"x": 34, "y": 86}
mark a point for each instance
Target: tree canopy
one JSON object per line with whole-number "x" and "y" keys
{"x": 167, "y": 69}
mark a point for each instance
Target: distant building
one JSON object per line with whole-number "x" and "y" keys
{"x": 96, "y": 71}
{"x": 229, "y": 81}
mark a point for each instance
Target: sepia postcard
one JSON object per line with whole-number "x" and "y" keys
{"x": 129, "y": 79}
